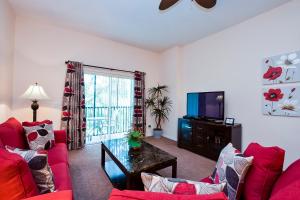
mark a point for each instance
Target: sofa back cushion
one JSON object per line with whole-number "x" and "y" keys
{"x": 16, "y": 181}
{"x": 266, "y": 168}
{"x": 16, "y": 124}
{"x": 288, "y": 184}
{"x": 1, "y": 144}
{"x": 12, "y": 134}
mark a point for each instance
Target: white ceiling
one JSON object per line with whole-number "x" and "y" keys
{"x": 139, "y": 22}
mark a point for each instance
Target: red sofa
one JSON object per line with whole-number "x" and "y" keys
{"x": 265, "y": 180}
{"x": 16, "y": 181}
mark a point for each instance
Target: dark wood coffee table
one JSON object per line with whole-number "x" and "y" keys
{"x": 125, "y": 166}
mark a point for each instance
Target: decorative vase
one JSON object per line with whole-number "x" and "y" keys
{"x": 157, "y": 133}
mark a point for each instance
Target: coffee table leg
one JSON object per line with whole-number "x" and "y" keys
{"x": 174, "y": 170}
{"x": 102, "y": 156}
{"x": 128, "y": 182}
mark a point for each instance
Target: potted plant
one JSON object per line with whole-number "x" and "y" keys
{"x": 159, "y": 106}
{"x": 135, "y": 140}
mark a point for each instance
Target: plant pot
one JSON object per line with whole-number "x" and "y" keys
{"x": 157, "y": 133}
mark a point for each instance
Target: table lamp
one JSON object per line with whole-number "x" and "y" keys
{"x": 34, "y": 93}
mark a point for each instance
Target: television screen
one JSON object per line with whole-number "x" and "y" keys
{"x": 206, "y": 105}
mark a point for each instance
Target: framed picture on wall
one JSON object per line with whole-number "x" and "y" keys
{"x": 284, "y": 68}
{"x": 281, "y": 101}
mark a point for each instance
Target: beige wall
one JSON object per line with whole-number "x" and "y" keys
{"x": 231, "y": 60}
{"x": 41, "y": 50}
{"x": 171, "y": 61}
{"x": 7, "y": 20}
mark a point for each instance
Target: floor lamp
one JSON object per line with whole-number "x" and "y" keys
{"x": 35, "y": 93}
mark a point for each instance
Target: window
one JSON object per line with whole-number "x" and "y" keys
{"x": 109, "y": 104}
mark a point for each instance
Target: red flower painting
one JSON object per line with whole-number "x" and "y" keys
{"x": 273, "y": 95}
{"x": 273, "y": 73}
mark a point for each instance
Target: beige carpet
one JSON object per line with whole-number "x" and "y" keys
{"x": 90, "y": 182}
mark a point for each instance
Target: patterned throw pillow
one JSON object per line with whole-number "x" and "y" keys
{"x": 231, "y": 169}
{"x": 38, "y": 164}
{"x": 155, "y": 183}
{"x": 40, "y": 135}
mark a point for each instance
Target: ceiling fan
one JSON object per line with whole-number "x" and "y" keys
{"x": 165, "y": 4}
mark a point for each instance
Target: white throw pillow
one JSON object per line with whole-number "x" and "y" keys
{"x": 155, "y": 183}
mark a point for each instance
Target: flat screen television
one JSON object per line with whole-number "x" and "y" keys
{"x": 207, "y": 105}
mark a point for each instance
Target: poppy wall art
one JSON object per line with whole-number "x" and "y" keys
{"x": 281, "y": 101}
{"x": 283, "y": 68}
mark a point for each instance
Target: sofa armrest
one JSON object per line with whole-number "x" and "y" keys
{"x": 60, "y": 136}
{"x": 61, "y": 195}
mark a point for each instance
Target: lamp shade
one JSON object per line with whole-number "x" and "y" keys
{"x": 35, "y": 92}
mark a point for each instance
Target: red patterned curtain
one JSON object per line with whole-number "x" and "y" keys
{"x": 73, "y": 111}
{"x": 139, "y": 113}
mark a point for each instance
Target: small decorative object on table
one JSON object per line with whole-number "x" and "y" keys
{"x": 135, "y": 140}
{"x": 229, "y": 121}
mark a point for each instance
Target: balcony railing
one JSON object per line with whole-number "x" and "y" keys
{"x": 104, "y": 121}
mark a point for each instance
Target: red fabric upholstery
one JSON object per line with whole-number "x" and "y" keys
{"x": 62, "y": 178}
{"x": 15, "y": 173}
{"x": 207, "y": 180}
{"x": 62, "y": 195}
{"x": 58, "y": 154}
{"x": 60, "y": 136}
{"x": 288, "y": 184}
{"x": 12, "y": 134}
{"x": 140, "y": 195}
{"x": 16, "y": 181}
{"x": 16, "y": 124}
{"x": 266, "y": 168}
{"x": 1, "y": 144}
{"x": 29, "y": 124}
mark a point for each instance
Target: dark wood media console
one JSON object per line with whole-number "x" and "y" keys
{"x": 207, "y": 138}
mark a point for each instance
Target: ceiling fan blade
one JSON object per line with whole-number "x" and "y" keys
{"x": 206, "y": 3}
{"x": 165, "y": 4}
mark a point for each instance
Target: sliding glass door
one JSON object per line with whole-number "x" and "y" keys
{"x": 109, "y": 105}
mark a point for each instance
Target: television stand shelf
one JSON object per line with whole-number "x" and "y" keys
{"x": 207, "y": 138}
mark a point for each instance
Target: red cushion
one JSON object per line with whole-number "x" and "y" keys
{"x": 62, "y": 195}
{"x": 60, "y": 136}
{"x": 16, "y": 124}
{"x": 140, "y": 195}
{"x": 207, "y": 180}
{"x": 12, "y": 134}
{"x": 288, "y": 184}
{"x": 1, "y": 144}
{"x": 266, "y": 168}
{"x": 62, "y": 178}
{"x": 16, "y": 181}
{"x": 58, "y": 154}
{"x": 29, "y": 124}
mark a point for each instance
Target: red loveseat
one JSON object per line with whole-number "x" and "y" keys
{"x": 16, "y": 181}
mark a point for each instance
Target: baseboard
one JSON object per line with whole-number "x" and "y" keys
{"x": 170, "y": 137}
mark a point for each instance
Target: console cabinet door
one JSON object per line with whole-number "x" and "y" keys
{"x": 184, "y": 133}
{"x": 199, "y": 138}
{"x": 218, "y": 138}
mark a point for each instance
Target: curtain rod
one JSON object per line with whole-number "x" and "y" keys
{"x": 100, "y": 67}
